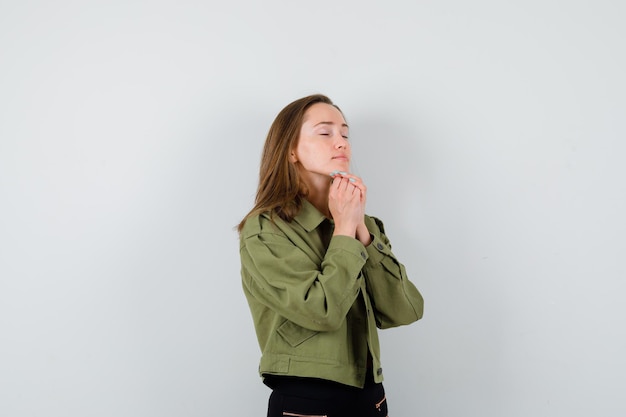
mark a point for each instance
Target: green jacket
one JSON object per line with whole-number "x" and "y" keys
{"x": 317, "y": 299}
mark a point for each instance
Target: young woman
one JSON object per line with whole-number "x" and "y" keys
{"x": 318, "y": 273}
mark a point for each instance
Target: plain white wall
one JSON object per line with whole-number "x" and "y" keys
{"x": 491, "y": 136}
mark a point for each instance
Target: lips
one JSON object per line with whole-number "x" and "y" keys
{"x": 344, "y": 157}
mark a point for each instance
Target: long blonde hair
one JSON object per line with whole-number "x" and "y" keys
{"x": 281, "y": 187}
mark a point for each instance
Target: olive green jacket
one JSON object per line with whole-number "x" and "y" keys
{"x": 317, "y": 299}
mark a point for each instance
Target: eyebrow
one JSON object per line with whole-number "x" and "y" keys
{"x": 330, "y": 123}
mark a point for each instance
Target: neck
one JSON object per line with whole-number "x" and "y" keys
{"x": 318, "y": 188}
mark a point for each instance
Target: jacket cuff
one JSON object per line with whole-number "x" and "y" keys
{"x": 377, "y": 250}
{"x": 348, "y": 244}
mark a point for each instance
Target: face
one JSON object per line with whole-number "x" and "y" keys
{"x": 323, "y": 145}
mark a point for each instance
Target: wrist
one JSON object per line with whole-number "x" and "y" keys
{"x": 345, "y": 230}
{"x": 363, "y": 234}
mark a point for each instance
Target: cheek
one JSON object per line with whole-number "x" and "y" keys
{"x": 307, "y": 152}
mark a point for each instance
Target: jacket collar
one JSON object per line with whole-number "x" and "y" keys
{"x": 309, "y": 217}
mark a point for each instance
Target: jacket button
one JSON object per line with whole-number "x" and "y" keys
{"x": 380, "y": 246}
{"x": 379, "y": 371}
{"x": 363, "y": 255}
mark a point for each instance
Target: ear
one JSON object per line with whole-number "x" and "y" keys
{"x": 292, "y": 157}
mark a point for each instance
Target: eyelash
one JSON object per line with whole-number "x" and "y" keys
{"x": 328, "y": 134}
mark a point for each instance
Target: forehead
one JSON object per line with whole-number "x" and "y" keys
{"x": 322, "y": 112}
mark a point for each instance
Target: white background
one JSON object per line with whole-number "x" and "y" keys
{"x": 491, "y": 135}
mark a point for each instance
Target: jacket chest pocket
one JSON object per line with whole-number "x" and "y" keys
{"x": 294, "y": 334}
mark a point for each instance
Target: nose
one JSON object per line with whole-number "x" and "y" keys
{"x": 341, "y": 142}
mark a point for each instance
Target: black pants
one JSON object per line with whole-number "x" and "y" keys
{"x": 308, "y": 397}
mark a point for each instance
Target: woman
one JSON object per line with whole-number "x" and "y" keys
{"x": 318, "y": 273}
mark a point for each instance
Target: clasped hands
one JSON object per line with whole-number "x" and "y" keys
{"x": 346, "y": 201}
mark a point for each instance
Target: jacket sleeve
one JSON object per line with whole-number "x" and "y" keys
{"x": 396, "y": 301}
{"x": 281, "y": 276}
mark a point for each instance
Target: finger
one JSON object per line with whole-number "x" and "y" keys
{"x": 357, "y": 181}
{"x": 345, "y": 184}
{"x": 338, "y": 186}
{"x": 359, "y": 185}
{"x": 338, "y": 183}
{"x": 344, "y": 174}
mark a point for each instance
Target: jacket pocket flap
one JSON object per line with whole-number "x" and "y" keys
{"x": 294, "y": 334}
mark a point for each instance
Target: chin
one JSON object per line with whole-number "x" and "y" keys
{"x": 341, "y": 166}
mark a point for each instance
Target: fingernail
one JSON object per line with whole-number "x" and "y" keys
{"x": 332, "y": 174}
{"x": 352, "y": 180}
{"x": 342, "y": 172}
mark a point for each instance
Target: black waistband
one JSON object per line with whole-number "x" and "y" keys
{"x": 295, "y": 384}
